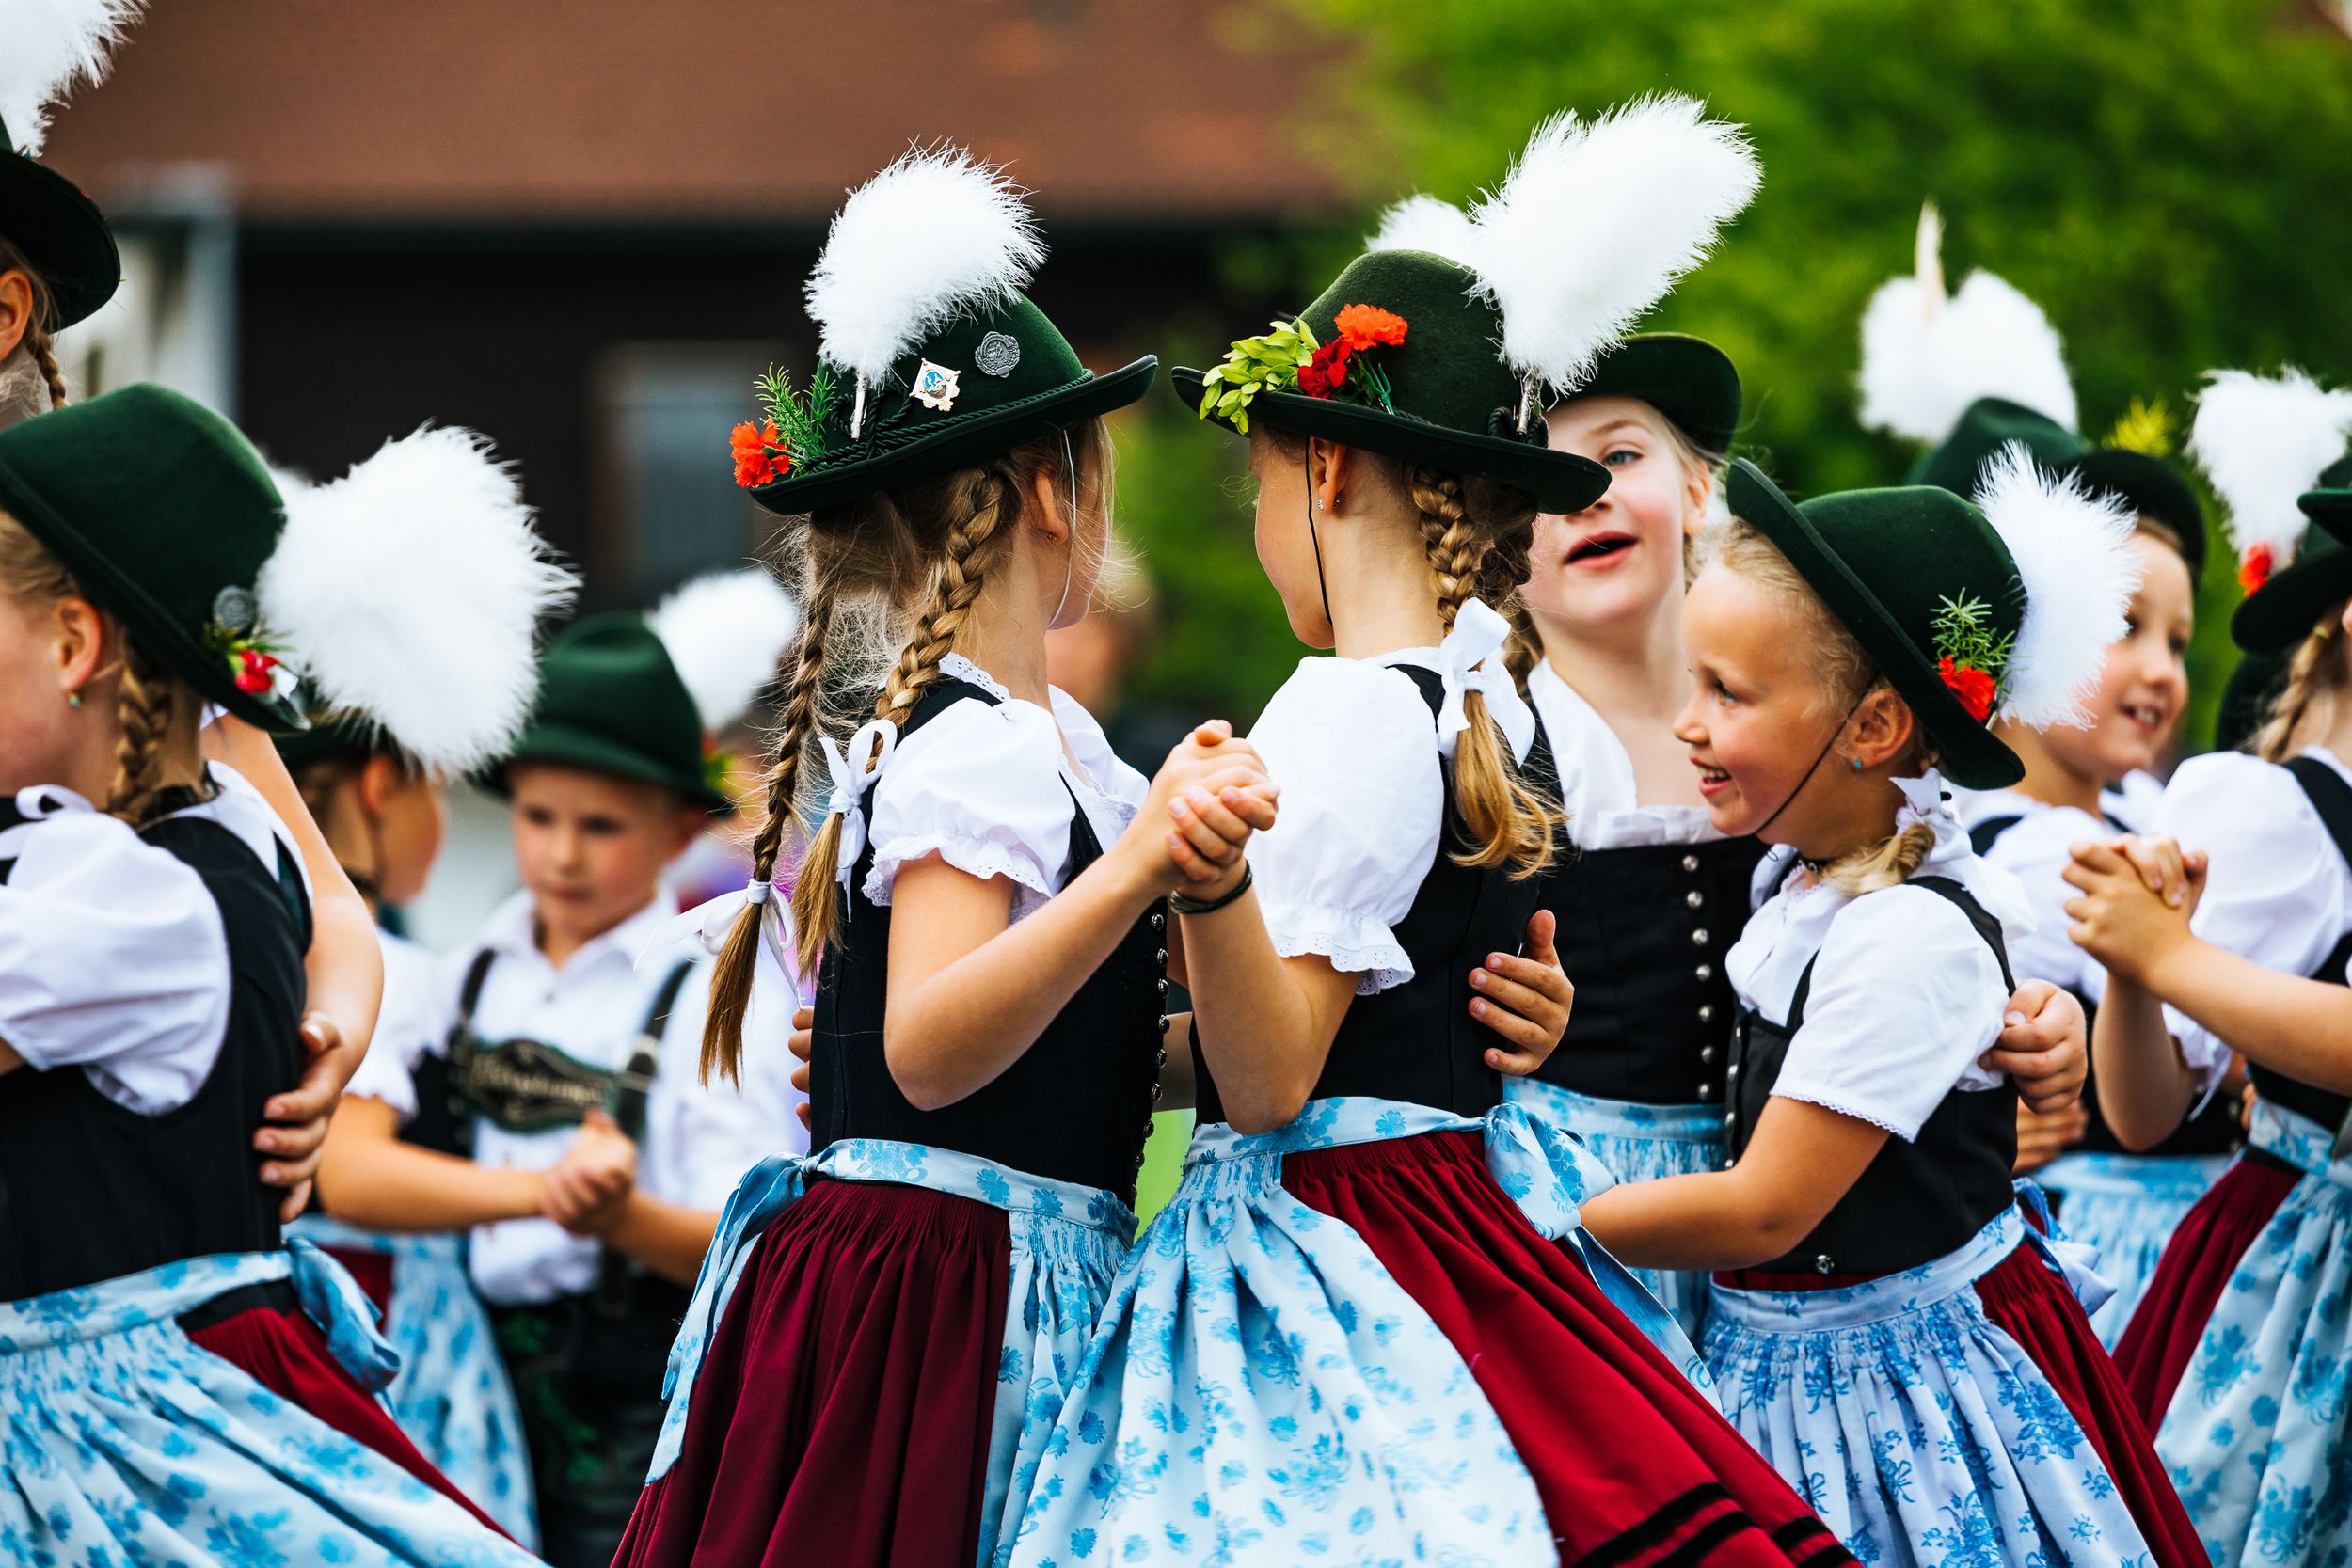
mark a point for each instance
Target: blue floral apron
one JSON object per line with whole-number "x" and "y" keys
{"x": 1638, "y": 1143}
{"x": 2128, "y": 1206}
{"x": 1259, "y": 1390}
{"x": 2256, "y": 1434}
{"x": 1919, "y": 1430}
{"x": 120, "y": 1441}
{"x": 1067, "y": 1243}
{"x": 451, "y": 1395}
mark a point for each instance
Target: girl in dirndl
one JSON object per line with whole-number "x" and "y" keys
{"x": 1893, "y": 1331}
{"x": 983, "y": 910}
{"x": 178, "y": 1383}
{"x": 378, "y": 794}
{"x": 1369, "y": 1322}
{"x": 2241, "y": 1346}
{"x": 1971, "y": 373}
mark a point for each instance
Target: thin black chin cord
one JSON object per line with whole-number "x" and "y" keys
{"x": 1820, "y": 757}
{"x": 1320, "y": 586}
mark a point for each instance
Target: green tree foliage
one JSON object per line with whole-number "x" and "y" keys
{"x": 2169, "y": 182}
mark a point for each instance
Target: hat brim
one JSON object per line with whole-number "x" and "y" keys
{"x": 954, "y": 446}
{"x": 1687, "y": 379}
{"x": 1970, "y": 755}
{"x": 2151, "y": 486}
{"x": 63, "y": 234}
{"x": 570, "y": 746}
{"x": 157, "y": 632}
{"x": 1559, "y": 482}
{"x": 2281, "y": 612}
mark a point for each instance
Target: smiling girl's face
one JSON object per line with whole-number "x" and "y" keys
{"x": 1620, "y": 557}
{"x": 2144, "y": 683}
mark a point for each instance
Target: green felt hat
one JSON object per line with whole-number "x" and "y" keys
{"x": 996, "y": 376}
{"x": 2284, "y": 605}
{"x": 1687, "y": 379}
{"x": 1888, "y": 564}
{"x": 611, "y": 700}
{"x": 166, "y": 515}
{"x": 61, "y": 232}
{"x": 332, "y": 737}
{"x": 2149, "y": 486}
{"x": 1439, "y": 396}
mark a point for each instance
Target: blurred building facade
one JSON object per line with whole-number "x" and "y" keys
{"x": 580, "y": 225}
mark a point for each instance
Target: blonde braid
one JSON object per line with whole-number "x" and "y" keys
{"x": 1512, "y": 824}
{"x": 146, "y": 699}
{"x": 974, "y": 537}
{"x": 2316, "y": 680}
{"x": 44, "y": 357}
{"x": 731, "y": 976}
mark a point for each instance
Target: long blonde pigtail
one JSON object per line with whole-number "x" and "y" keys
{"x": 2316, "y": 679}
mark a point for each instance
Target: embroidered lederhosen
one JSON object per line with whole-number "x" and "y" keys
{"x": 1917, "y": 1200}
{"x": 587, "y": 1369}
{"x": 2214, "y": 1131}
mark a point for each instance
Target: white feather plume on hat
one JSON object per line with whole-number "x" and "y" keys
{"x": 409, "y": 593}
{"x": 725, "y": 632}
{"x": 2072, "y": 551}
{"x": 2263, "y": 441}
{"x": 1926, "y": 358}
{"x": 45, "y": 45}
{"x": 1425, "y": 223}
{"x": 1595, "y": 222}
{"x": 936, "y": 233}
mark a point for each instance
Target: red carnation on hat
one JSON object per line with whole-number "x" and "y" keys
{"x": 253, "y": 671}
{"x": 1367, "y": 326}
{"x": 753, "y": 463}
{"x": 1326, "y": 372}
{"x": 2254, "y": 569}
{"x": 1973, "y": 686}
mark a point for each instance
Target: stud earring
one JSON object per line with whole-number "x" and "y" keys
{"x": 1855, "y": 762}
{"x": 73, "y": 699}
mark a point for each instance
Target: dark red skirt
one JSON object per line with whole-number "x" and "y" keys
{"x": 1634, "y": 1467}
{"x": 283, "y": 1350}
{"x": 2033, "y": 1307}
{"x": 2206, "y": 1250}
{"x": 844, "y": 1406}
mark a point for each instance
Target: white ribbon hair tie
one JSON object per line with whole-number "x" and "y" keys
{"x": 707, "y": 926}
{"x": 878, "y": 738}
{"x": 1466, "y": 660}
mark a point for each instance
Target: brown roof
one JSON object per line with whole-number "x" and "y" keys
{"x": 473, "y": 110}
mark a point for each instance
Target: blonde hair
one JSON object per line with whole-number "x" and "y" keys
{"x": 923, "y": 550}
{"x": 37, "y": 339}
{"x": 1847, "y": 676}
{"x": 149, "y": 698}
{"x": 2316, "y": 679}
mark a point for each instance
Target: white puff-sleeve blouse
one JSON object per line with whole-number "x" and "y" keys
{"x": 987, "y": 789}
{"x": 1905, "y": 994}
{"x": 1353, "y": 747}
{"x": 2277, "y": 893}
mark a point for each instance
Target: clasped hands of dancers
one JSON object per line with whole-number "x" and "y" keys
{"x": 1837, "y": 812}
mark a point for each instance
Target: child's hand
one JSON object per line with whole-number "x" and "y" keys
{"x": 1217, "y": 825}
{"x": 1526, "y": 998}
{"x": 2044, "y": 1047}
{"x": 1209, "y": 760}
{"x": 2136, "y": 896}
{"x": 294, "y": 1137}
{"x": 2042, "y": 1139}
{"x": 803, "y": 1044}
{"x": 589, "y": 1189}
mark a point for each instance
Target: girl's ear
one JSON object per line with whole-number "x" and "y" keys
{"x": 87, "y": 644}
{"x": 1049, "y": 502}
{"x": 1881, "y": 728}
{"x": 16, "y": 308}
{"x": 1698, "y": 489}
{"x": 1329, "y": 465}
{"x": 379, "y": 778}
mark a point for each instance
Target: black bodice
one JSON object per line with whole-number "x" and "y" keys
{"x": 2332, "y": 799}
{"x": 2214, "y": 1130}
{"x": 1916, "y": 1201}
{"x": 1642, "y": 934}
{"x": 1418, "y": 1042}
{"x": 90, "y": 1190}
{"x": 1075, "y": 1106}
